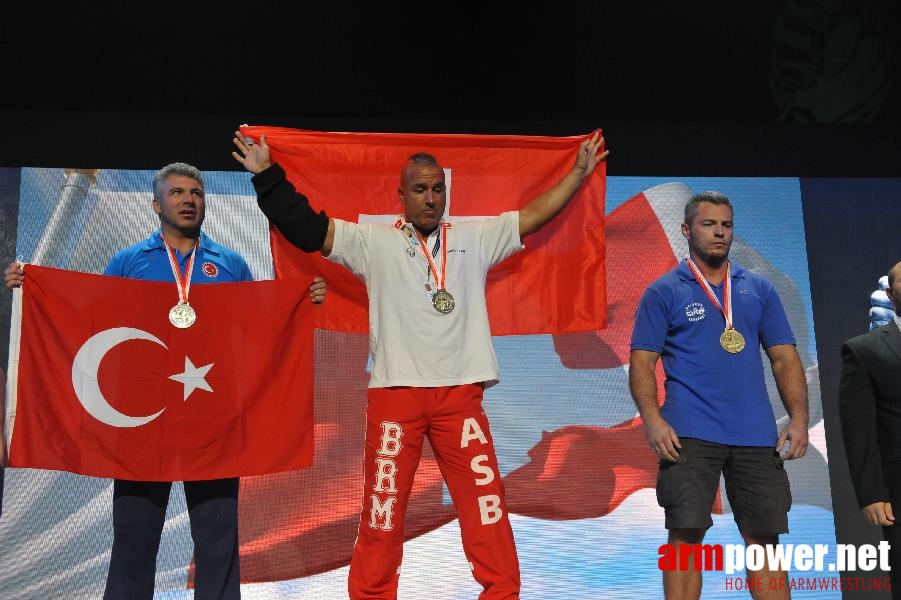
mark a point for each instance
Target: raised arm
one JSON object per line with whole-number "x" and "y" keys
{"x": 549, "y": 204}
{"x": 282, "y": 204}
{"x": 661, "y": 436}
{"x": 792, "y": 385}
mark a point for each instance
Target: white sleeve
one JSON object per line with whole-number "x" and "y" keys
{"x": 500, "y": 237}
{"x": 351, "y": 247}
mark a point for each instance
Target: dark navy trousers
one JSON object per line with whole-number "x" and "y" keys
{"x": 139, "y": 512}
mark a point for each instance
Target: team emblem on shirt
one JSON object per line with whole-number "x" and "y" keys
{"x": 695, "y": 311}
{"x": 210, "y": 270}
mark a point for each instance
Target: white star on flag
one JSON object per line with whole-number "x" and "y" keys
{"x": 193, "y": 377}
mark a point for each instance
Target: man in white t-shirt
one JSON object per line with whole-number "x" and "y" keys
{"x": 432, "y": 354}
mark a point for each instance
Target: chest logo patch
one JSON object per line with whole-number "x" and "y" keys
{"x": 695, "y": 311}
{"x": 210, "y": 270}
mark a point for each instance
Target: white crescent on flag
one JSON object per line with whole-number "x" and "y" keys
{"x": 84, "y": 375}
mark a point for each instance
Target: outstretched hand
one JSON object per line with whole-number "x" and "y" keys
{"x": 254, "y": 157}
{"x": 591, "y": 152}
{"x": 548, "y": 205}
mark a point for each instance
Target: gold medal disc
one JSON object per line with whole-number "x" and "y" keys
{"x": 182, "y": 315}
{"x": 443, "y": 301}
{"x": 732, "y": 341}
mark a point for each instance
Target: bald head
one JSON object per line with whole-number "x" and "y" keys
{"x": 894, "y": 274}
{"x": 420, "y": 159}
{"x": 422, "y": 191}
{"x": 894, "y": 287}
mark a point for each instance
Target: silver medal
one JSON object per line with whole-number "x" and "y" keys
{"x": 443, "y": 301}
{"x": 182, "y": 315}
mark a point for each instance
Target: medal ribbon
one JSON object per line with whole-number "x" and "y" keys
{"x": 439, "y": 280}
{"x": 726, "y": 307}
{"x": 183, "y": 285}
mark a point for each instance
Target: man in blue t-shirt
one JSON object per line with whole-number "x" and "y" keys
{"x": 706, "y": 320}
{"x": 180, "y": 253}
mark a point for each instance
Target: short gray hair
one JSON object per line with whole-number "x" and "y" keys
{"x": 176, "y": 168}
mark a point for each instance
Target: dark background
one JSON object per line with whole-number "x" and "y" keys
{"x": 850, "y": 225}
{"x": 788, "y": 87}
{"x": 799, "y": 88}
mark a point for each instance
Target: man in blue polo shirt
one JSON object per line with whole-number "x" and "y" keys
{"x": 706, "y": 320}
{"x": 180, "y": 253}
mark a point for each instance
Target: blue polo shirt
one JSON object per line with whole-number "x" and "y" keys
{"x": 148, "y": 260}
{"x": 711, "y": 394}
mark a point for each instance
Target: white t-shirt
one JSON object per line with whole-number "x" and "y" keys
{"x": 412, "y": 344}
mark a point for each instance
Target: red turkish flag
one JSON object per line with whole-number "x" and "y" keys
{"x": 556, "y": 285}
{"x": 101, "y": 383}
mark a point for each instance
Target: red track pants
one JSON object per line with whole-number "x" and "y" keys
{"x": 397, "y": 421}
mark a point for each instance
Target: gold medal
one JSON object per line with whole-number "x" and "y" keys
{"x": 732, "y": 341}
{"x": 443, "y": 301}
{"x": 182, "y": 315}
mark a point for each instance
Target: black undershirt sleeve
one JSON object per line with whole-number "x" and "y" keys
{"x": 289, "y": 210}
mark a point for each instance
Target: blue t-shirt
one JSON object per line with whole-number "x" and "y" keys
{"x": 711, "y": 394}
{"x": 148, "y": 260}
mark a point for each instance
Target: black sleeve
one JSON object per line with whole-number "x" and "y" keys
{"x": 289, "y": 210}
{"x": 858, "y": 416}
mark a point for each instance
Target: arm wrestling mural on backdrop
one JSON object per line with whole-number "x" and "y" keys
{"x": 579, "y": 475}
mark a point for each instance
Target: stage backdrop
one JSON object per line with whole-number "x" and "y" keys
{"x": 578, "y": 472}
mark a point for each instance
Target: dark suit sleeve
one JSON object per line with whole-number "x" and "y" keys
{"x": 289, "y": 210}
{"x": 857, "y": 409}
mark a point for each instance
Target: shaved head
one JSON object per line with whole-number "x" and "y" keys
{"x": 894, "y": 287}
{"x": 422, "y": 191}
{"x": 894, "y": 273}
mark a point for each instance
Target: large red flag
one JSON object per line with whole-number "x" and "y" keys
{"x": 562, "y": 478}
{"x": 101, "y": 383}
{"x": 557, "y": 285}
